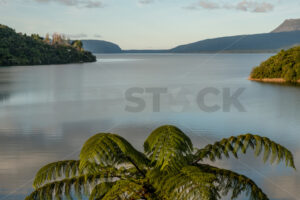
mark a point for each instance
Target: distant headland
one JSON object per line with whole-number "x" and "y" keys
{"x": 283, "y": 67}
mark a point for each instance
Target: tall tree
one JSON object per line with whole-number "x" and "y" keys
{"x": 47, "y": 39}
{"x": 78, "y": 45}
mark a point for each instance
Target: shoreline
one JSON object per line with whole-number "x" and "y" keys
{"x": 271, "y": 80}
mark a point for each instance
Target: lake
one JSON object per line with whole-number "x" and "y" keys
{"x": 48, "y": 112}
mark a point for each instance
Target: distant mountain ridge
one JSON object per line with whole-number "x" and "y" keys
{"x": 146, "y": 51}
{"x": 288, "y": 25}
{"x": 101, "y": 46}
{"x": 284, "y": 36}
{"x": 264, "y": 42}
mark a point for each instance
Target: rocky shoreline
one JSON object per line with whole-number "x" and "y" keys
{"x": 270, "y": 80}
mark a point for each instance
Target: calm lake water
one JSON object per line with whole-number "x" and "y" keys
{"x": 47, "y": 112}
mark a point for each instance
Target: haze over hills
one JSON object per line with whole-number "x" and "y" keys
{"x": 266, "y": 42}
{"x": 101, "y": 46}
{"x": 288, "y": 25}
{"x": 284, "y": 36}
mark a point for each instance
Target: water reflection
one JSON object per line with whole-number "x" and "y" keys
{"x": 47, "y": 112}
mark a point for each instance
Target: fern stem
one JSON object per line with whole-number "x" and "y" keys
{"x": 132, "y": 162}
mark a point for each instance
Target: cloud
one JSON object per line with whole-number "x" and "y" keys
{"x": 264, "y": 7}
{"x": 94, "y": 4}
{"x": 146, "y": 1}
{"x": 245, "y": 5}
{"x": 97, "y": 36}
{"x": 254, "y": 6}
{"x": 79, "y": 3}
{"x": 208, "y": 5}
{"x": 3, "y": 2}
{"x": 76, "y": 36}
{"x": 203, "y": 4}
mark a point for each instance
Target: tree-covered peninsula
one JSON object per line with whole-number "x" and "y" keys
{"x": 20, "y": 49}
{"x": 283, "y": 67}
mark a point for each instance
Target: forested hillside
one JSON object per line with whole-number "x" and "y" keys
{"x": 20, "y": 49}
{"x": 285, "y": 65}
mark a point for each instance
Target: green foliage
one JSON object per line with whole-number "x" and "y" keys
{"x": 242, "y": 143}
{"x": 187, "y": 183}
{"x": 125, "y": 189}
{"x": 111, "y": 168}
{"x": 77, "y": 44}
{"x": 37, "y": 37}
{"x": 53, "y": 171}
{"x": 100, "y": 190}
{"x": 19, "y": 49}
{"x": 227, "y": 180}
{"x": 80, "y": 183}
{"x": 168, "y": 147}
{"x": 286, "y": 65}
{"x": 108, "y": 149}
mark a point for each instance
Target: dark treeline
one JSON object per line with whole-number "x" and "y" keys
{"x": 286, "y": 65}
{"x": 20, "y": 49}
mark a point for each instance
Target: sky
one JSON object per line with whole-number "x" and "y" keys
{"x": 147, "y": 24}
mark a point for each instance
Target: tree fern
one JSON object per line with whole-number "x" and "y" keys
{"x": 100, "y": 190}
{"x": 125, "y": 189}
{"x": 108, "y": 149}
{"x": 188, "y": 183}
{"x": 58, "y": 188}
{"x": 111, "y": 168}
{"x": 228, "y": 180}
{"x": 79, "y": 183}
{"x": 54, "y": 171}
{"x": 240, "y": 144}
{"x": 168, "y": 147}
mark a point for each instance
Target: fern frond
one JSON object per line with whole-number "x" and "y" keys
{"x": 100, "y": 190}
{"x": 242, "y": 143}
{"x": 229, "y": 180}
{"x": 168, "y": 147}
{"x": 106, "y": 149}
{"x": 57, "y": 189}
{"x": 128, "y": 190}
{"x": 188, "y": 183}
{"x": 124, "y": 189}
{"x": 79, "y": 184}
{"x": 56, "y": 170}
